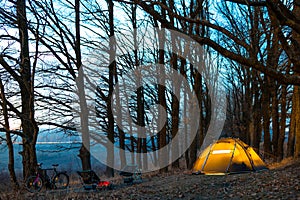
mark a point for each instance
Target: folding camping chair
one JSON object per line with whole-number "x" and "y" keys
{"x": 91, "y": 181}
{"x": 131, "y": 174}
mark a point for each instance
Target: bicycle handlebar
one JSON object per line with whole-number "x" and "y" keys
{"x": 53, "y": 165}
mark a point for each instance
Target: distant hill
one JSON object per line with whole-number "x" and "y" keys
{"x": 52, "y": 136}
{"x": 53, "y": 146}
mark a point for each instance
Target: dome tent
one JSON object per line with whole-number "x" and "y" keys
{"x": 228, "y": 155}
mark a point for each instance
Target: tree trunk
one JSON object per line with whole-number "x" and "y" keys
{"x": 175, "y": 115}
{"x": 153, "y": 147}
{"x": 275, "y": 121}
{"x": 292, "y": 132}
{"x": 112, "y": 67}
{"x": 296, "y": 95}
{"x": 295, "y": 125}
{"x": 84, "y": 155}
{"x": 185, "y": 116}
{"x": 175, "y": 100}
{"x": 84, "y": 152}
{"x": 11, "y": 161}
{"x": 119, "y": 122}
{"x": 282, "y": 124}
{"x": 257, "y": 116}
{"x": 266, "y": 117}
{"x": 163, "y": 154}
{"x": 248, "y": 105}
{"x": 28, "y": 123}
{"x": 198, "y": 140}
{"x": 140, "y": 100}
{"x": 132, "y": 139}
{"x": 145, "y": 157}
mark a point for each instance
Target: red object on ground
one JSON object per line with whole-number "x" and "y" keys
{"x": 103, "y": 184}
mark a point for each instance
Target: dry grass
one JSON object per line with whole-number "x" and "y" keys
{"x": 284, "y": 163}
{"x": 281, "y": 182}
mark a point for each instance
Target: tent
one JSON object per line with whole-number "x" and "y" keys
{"x": 228, "y": 155}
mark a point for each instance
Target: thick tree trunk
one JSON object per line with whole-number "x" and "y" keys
{"x": 139, "y": 152}
{"x": 175, "y": 115}
{"x": 275, "y": 121}
{"x": 145, "y": 157}
{"x": 120, "y": 131}
{"x": 132, "y": 141}
{"x": 266, "y": 117}
{"x": 293, "y": 148}
{"x": 84, "y": 152}
{"x": 295, "y": 125}
{"x": 140, "y": 101}
{"x": 296, "y": 95}
{"x": 153, "y": 147}
{"x": 163, "y": 154}
{"x": 292, "y": 132}
{"x": 29, "y": 158}
{"x": 175, "y": 100}
{"x": 257, "y": 116}
{"x": 84, "y": 155}
{"x": 198, "y": 140}
{"x": 110, "y": 133}
{"x": 28, "y": 123}
{"x": 142, "y": 145}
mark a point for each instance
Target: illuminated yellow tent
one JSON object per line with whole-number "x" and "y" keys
{"x": 228, "y": 155}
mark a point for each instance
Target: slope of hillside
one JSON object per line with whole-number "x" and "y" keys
{"x": 281, "y": 182}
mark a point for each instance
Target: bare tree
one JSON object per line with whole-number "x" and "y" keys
{"x": 11, "y": 161}
{"x": 24, "y": 75}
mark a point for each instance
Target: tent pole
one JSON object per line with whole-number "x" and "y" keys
{"x": 206, "y": 157}
{"x": 249, "y": 156}
{"x": 231, "y": 157}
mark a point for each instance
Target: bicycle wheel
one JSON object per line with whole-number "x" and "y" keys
{"x": 61, "y": 181}
{"x": 34, "y": 183}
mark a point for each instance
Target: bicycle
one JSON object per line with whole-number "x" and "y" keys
{"x": 58, "y": 180}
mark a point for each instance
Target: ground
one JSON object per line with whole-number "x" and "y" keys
{"x": 280, "y": 182}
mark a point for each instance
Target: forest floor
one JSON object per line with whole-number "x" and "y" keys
{"x": 282, "y": 181}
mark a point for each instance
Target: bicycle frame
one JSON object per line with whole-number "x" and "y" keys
{"x": 36, "y": 179}
{"x": 47, "y": 178}
{"x": 57, "y": 180}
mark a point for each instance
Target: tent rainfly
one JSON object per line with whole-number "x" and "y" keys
{"x": 226, "y": 156}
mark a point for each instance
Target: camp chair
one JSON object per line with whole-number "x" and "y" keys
{"x": 91, "y": 181}
{"x": 131, "y": 173}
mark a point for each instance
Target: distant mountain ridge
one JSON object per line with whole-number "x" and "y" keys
{"x": 51, "y": 136}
